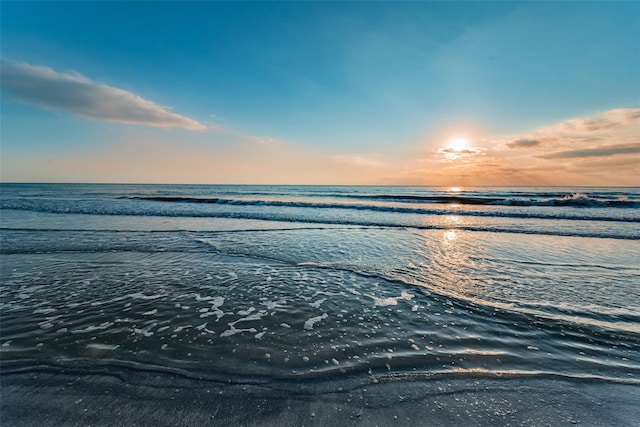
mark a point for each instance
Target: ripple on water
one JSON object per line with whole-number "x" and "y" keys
{"x": 221, "y": 315}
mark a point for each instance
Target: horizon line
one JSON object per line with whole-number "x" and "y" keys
{"x": 315, "y": 185}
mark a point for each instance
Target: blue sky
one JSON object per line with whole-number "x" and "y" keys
{"x": 318, "y": 92}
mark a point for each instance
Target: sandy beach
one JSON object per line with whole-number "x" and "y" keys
{"x": 123, "y": 397}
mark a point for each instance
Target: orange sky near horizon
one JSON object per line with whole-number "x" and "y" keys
{"x": 603, "y": 150}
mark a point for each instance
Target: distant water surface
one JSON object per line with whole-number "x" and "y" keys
{"x": 306, "y": 283}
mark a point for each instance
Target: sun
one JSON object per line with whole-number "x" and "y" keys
{"x": 459, "y": 148}
{"x": 458, "y": 143}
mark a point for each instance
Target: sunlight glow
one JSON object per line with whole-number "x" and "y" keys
{"x": 457, "y": 148}
{"x": 458, "y": 143}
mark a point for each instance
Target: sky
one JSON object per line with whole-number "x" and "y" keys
{"x": 369, "y": 93}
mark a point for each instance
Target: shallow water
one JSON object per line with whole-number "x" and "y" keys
{"x": 397, "y": 282}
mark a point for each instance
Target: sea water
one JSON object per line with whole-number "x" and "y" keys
{"x": 318, "y": 284}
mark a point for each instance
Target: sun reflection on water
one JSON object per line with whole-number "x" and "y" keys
{"x": 453, "y": 220}
{"x": 450, "y": 236}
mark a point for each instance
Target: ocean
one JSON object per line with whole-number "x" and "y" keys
{"x": 311, "y": 290}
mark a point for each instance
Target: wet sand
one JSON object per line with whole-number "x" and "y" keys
{"x": 122, "y": 397}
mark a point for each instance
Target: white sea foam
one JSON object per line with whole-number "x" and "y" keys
{"x": 311, "y": 322}
{"x": 232, "y": 331}
{"x": 146, "y": 331}
{"x": 140, "y": 295}
{"x": 383, "y": 302}
{"x": 275, "y": 304}
{"x": 317, "y": 303}
{"x": 98, "y": 346}
{"x": 217, "y": 313}
{"x": 44, "y": 310}
{"x": 256, "y": 316}
{"x": 247, "y": 311}
{"x": 92, "y": 328}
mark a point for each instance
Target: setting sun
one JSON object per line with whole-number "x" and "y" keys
{"x": 458, "y": 143}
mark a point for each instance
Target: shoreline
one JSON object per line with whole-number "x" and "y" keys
{"x": 120, "y": 397}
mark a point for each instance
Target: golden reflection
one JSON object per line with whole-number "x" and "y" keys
{"x": 455, "y": 189}
{"x": 450, "y": 236}
{"x": 453, "y": 219}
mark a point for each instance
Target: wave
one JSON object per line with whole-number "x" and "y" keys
{"x": 575, "y": 200}
{"x": 389, "y": 209}
{"x": 533, "y": 200}
{"x": 363, "y": 222}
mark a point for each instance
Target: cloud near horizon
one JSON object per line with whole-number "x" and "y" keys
{"x": 591, "y": 133}
{"x": 80, "y": 96}
{"x": 449, "y": 154}
{"x": 602, "y": 151}
{"x": 598, "y": 150}
{"x": 523, "y": 143}
{"x": 576, "y": 149}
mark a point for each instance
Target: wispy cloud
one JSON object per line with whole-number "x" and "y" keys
{"x": 523, "y": 143}
{"x": 609, "y": 120}
{"x": 604, "y": 151}
{"x": 620, "y": 125}
{"x": 80, "y": 96}
{"x": 450, "y": 154}
{"x": 600, "y": 149}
